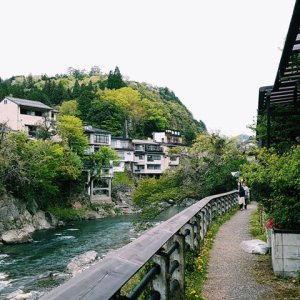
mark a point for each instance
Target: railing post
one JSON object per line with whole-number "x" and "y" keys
{"x": 197, "y": 230}
{"x": 205, "y": 225}
{"x": 223, "y": 206}
{"x": 179, "y": 255}
{"x": 191, "y": 237}
{"x": 161, "y": 283}
{"x": 209, "y": 214}
{"x": 200, "y": 216}
{"x": 214, "y": 209}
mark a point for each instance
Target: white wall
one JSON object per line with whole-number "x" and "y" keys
{"x": 9, "y": 113}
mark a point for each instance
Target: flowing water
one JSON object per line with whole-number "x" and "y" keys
{"x": 27, "y": 266}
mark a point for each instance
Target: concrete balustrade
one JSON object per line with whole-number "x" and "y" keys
{"x": 164, "y": 245}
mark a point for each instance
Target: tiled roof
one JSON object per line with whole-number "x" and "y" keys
{"x": 29, "y": 103}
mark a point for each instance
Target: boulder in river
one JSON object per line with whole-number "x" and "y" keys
{"x": 16, "y": 236}
{"x": 81, "y": 262}
{"x": 21, "y": 295}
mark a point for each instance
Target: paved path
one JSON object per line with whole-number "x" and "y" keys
{"x": 229, "y": 275}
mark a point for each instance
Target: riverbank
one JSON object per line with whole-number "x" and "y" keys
{"x": 18, "y": 221}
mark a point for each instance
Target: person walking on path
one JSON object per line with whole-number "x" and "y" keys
{"x": 247, "y": 194}
{"x": 241, "y": 197}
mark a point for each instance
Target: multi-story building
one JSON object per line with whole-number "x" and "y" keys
{"x": 100, "y": 184}
{"x": 148, "y": 158}
{"x": 124, "y": 149}
{"x": 97, "y": 138}
{"x": 168, "y": 137}
{"x": 25, "y": 115}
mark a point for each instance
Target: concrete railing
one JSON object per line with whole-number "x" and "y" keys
{"x": 164, "y": 245}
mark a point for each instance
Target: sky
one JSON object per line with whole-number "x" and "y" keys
{"x": 213, "y": 54}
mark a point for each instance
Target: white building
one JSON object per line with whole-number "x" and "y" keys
{"x": 124, "y": 149}
{"x": 100, "y": 185}
{"x": 25, "y": 115}
{"x": 148, "y": 158}
{"x": 96, "y": 138}
{"x": 168, "y": 137}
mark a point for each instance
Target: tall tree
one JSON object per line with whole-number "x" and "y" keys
{"x": 70, "y": 130}
{"x": 84, "y": 103}
{"x": 115, "y": 80}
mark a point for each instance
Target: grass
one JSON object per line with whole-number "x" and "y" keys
{"x": 280, "y": 288}
{"x": 68, "y": 214}
{"x": 257, "y": 225}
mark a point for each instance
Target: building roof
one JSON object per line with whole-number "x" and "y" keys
{"x": 144, "y": 142}
{"x": 121, "y": 138}
{"x": 92, "y": 129}
{"x": 29, "y": 103}
{"x": 284, "y": 93}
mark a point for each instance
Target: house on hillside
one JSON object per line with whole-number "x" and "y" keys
{"x": 168, "y": 139}
{"x": 148, "y": 158}
{"x": 124, "y": 149}
{"x": 25, "y": 115}
{"x": 96, "y": 138}
{"x": 99, "y": 187}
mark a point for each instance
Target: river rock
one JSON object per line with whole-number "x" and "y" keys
{"x": 21, "y": 295}
{"x": 16, "y": 236}
{"x": 81, "y": 262}
{"x": 39, "y": 221}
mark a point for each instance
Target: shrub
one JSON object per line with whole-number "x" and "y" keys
{"x": 275, "y": 180}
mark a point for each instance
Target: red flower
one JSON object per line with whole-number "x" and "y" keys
{"x": 270, "y": 224}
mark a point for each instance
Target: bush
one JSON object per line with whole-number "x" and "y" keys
{"x": 275, "y": 180}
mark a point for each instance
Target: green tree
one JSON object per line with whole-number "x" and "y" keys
{"x": 107, "y": 115}
{"x": 68, "y": 108}
{"x": 70, "y": 130}
{"x": 274, "y": 180}
{"x": 115, "y": 80}
{"x": 205, "y": 169}
{"x": 84, "y": 103}
{"x": 76, "y": 90}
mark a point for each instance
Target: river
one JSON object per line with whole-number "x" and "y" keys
{"x": 25, "y": 266}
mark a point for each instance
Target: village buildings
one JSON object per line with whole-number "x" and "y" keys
{"x": 141, "y": 158}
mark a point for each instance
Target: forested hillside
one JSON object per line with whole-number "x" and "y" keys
{"x": 107, "y": 101}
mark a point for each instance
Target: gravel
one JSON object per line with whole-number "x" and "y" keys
{"x": 229, "y": 275}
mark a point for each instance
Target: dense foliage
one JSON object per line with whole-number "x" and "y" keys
{"x": 47, "y": 172}
{"x": 205, "y": 169}
{"x": 107, "y": 101}
{"x": 40, "y": 171}
{"x": 275, "y": 180}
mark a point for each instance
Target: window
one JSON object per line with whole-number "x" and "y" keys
{"x": 100, "y": 138}
{"x": 139, "y": 147}
{"x": 153, "y": 148}
{"x": 153, "y": 167}
{"x": 153, "y": 157}
{"x": 140, "y": 167}
{"x": 31, "y": 130}
{"x": 5, "y": 101}
{"x": 31, "y": 112}
{"x": 173, "y": 158}
{"x": 121, "y": 155}
{"x": 140, "y": 157}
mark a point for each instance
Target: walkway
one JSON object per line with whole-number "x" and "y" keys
{"x": 229, "y": 271}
